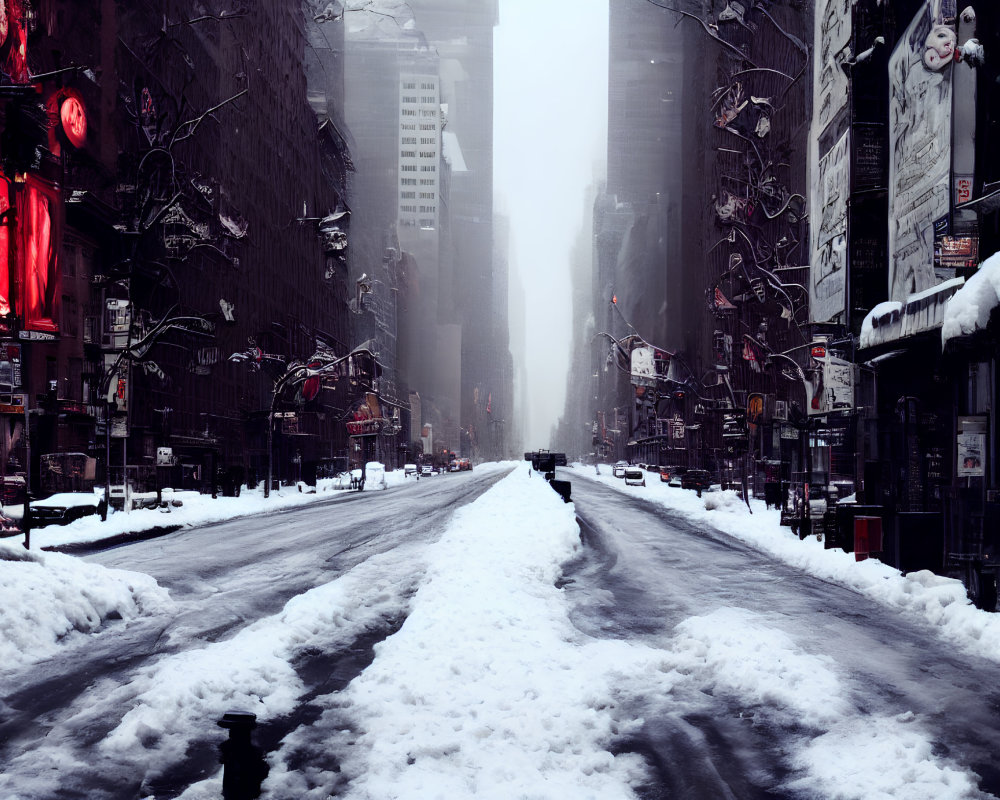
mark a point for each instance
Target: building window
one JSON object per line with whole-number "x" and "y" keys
{"x": 408, "y": 181}
{"x": 427, "y": 85}
{"x": 409, "y": 112}
{"x": 409, "y": 167}
{"x": 410, "y": 140}
{"x": 426, "y": 127}
{"x": 411, "y": 209}
{"x": 428, "y": 209}
{"x": 426, "y": 195}
{"x": 410, "y": 85}
{"x": 409, "y": 126}
{"x": 427, "y": 140}
{"x": 409, "y": 99}
{"x": 427, "y": 223}
{"x": 429, "y": 168}
{"x": 428, "y": 154}
{"x": 408, "y": 153}
{"x": 409, "y": 195}
{"x": 426, "y": 99}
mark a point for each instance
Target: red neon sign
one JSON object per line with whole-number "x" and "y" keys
{"x": 74, "y": 121}
{"x": 38, "y": 235}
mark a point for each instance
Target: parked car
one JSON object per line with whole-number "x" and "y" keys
{"x": 64, "y": 507}
{"x": 618, "y": 470}
{"x": 676, "y": 476}
{"x": 635, "y": 477}
{"x": 697, "y": 479}
{"x": 428, "y": 469}
{"x": 465, "y": 464}
{"x": 667, "y": 472}
{"x": 409, "y": 469}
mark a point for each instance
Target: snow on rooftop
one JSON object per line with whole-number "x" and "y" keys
{"x": 874, "y": 318}
{"x": 969, "y": 309}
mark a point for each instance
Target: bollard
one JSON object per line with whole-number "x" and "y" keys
{"x": 243, "y": 765}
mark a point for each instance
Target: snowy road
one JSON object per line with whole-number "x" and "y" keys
{"x": 439, "y": 640}
{"x": 58, "y": 715}
{"x": 646, "y": 570}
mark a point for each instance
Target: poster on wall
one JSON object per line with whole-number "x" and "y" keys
{"x": 39, "y": 232}
{"x": 920, "y": 120}
{"x": 971, "y": 461}
{"x": 829, "y": 234}
{"x": 832, "y": 36}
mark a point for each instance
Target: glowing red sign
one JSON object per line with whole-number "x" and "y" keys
{"x": 38, "y": 221}
{"x": 74, "y": 121}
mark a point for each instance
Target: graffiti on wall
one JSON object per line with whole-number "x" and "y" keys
{"x": 920, "y": 151}
{"x": 829, "y": 233}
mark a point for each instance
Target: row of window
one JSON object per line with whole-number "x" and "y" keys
{"x": 424, "y": 86}
{"x": 413, "y": 167}
{"x": 424, "y": 126}
{"x": 411, "y": 209}
{"x": 412, "y": 195}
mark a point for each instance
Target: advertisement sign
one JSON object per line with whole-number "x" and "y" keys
{"x": 832, "y": 34}
{"x": 970, "y": 460}
{"x": 643, "y": 367}
{"x": 39, "y": 218}
{"x": 827, "y": 278}
{"x": 920, "y": 127}
{"x": 971, "y": 456}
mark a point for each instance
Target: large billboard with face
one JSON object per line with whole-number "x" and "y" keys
{"x": 920, "y": 118}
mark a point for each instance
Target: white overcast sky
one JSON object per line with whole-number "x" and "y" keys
{"x": 550, "y": 129}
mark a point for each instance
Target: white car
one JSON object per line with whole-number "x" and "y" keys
{"x": 409, "y": 469}
{"x": 635, "y": 477}
{"x": 618, "y": 470}
{"x": 427, "y": 469}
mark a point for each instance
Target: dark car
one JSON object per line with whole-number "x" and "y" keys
{"x": 63, "y": 508}
{"x": 698, "y": 479}
{"x": 672, "y": 474}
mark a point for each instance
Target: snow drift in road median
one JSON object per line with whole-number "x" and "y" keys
{"x": 487, "y": 690}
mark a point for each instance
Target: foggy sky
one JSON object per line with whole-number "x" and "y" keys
{"x": 550, "y": 127}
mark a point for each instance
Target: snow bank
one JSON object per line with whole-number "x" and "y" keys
{"x": 968, "y": 310}
{"x": 196, "y": 509}
{"x": 255, "y": 669}
{"x": 938, "y": 600}
{"x": 47, "y": 596}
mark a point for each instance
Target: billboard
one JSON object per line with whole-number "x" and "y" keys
{"x": 829, "y": 190}
{"x": 38, "y": 251}
{"x": 920, "y": 120}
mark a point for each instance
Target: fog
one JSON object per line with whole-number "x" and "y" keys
{"x": 550, "y": 129}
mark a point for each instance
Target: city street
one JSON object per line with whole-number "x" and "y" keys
{"x": 223, "y": 578}
{"x": 646, "y": 570}
{"x": 659, "y": 658}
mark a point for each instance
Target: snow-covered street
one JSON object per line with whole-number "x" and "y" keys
{"x": 461, "y": 637}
